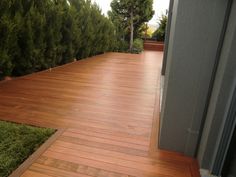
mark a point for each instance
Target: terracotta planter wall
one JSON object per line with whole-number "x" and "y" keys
{"x": 153, "y": 45}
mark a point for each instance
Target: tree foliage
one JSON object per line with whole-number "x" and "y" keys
{"x": 159, "y": 34}
{"x": 40, "y": 34}
{"x": 128, "y": 16}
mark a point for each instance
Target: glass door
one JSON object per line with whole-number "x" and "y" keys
{"x": 229, "y": 169}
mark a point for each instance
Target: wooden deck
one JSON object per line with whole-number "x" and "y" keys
{"x": 108, "y": 106}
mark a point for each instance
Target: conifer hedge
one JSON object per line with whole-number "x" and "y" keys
{"x": 40, "y": 34}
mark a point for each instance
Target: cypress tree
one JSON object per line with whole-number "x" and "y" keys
{"x": 67, "y": 33}
{"x": 36, "y": 35}
{"x": 8, "y": 38}
{"x": 38, "y": 22}
{"x": 52, "y": 34}
{"x": 6, "y": 28}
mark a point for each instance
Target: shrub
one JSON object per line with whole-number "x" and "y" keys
{"x": 159, "y": 34}
{"x": 137, "y": 46}
{"x": 121, "y": 46}
{"x": 40, "y": 34}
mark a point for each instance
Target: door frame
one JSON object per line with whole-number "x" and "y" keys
{"x": 166, "y": 45}
{"x": 226, "y": 137}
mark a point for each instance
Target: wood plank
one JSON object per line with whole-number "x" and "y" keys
{"x": 27, "y": 163}
{"x": 76, "y": 169}
{"x": 30, "y": 173}
{"x": 109, "y": 107}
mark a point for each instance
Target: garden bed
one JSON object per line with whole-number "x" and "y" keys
{"x": 17, "y": 143}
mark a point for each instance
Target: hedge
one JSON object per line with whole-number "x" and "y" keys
{"x": 41, "y": 34}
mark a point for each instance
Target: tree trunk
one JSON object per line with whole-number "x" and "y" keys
{"x": 131, "y": 31}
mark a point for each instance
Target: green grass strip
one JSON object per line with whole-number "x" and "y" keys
{"x": 17, "y": 143}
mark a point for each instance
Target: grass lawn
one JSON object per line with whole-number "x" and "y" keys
{"x": 17, "y": 143}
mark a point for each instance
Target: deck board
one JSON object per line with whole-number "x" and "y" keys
{"x": 108, "y": 106}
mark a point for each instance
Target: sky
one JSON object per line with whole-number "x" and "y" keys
{"x": 160, "y": 6}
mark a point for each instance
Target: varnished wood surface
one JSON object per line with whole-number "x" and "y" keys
{"x": 28, "y": 162}
{"x": 154, "y": 45}
{"x": 108, "y": 105}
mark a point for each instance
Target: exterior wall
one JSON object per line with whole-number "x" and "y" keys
{"x": 224, "y": 86}
{"x": 196, "y": 27}
{"x": 167, "y": 37}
